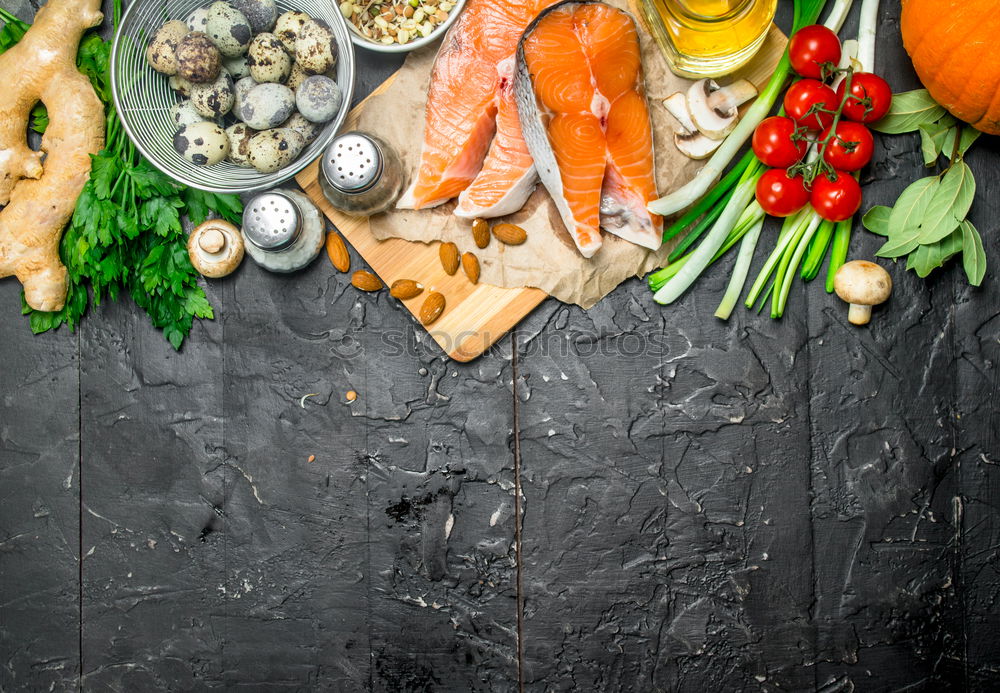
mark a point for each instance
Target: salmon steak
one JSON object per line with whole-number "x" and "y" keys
{"x": 472, "y": 146}
{"x": 582, "y": 106}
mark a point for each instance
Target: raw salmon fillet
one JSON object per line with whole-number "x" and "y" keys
{"x": 469, "y": 101}
{"x": 585, "y": 121}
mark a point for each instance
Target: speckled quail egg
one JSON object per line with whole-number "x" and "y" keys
{"x": 184, "y": 113}
{"x": 239, "y": 144}
{"x": 308, "y": 129}
{"x": 198, "y": 19}
{"x": 315, "y": 47}
{"x": 271, "y": 150}
{"x": 180, "y": 85}
{"x": 287, "y": 28}
{"x": 296, "y": 77}
{"x": 228, "y": 29}
{"x": 267, "y": 105}
{"x": 267, "y": 59}
{"x": 236, "y": 67}
{"x": 215, "y": 99}
{"x": 240, "y": 91}
{"x": 198, "y": 59}
{"x": 202, "y": 144}
{"x": 160, "y": 53}
{"x": 318, "y": 98}
{"x": 261, "y": 14}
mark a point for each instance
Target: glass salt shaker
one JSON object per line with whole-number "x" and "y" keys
{"x": 360, "y": 174}
{"x": 283, "y": 230}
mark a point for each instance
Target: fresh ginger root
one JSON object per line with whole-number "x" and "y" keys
{"x": 40, "y": 189}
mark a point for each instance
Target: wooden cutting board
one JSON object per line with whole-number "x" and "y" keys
{"x": 476, "y": 315}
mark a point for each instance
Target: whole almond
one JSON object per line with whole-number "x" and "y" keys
{"x": 470, "y": 263}
{"x": 432, "y": 308}
{"x": 449, "y": 257}
{"x": 337, "y": 251}
{"x": 404, "y": 289}
{"x": 366, "y": 281}
{"x": 510, "y": 234}
{"x": 481, "y": 233}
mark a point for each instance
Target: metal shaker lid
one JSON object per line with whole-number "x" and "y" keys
{"x": 352, "y": 163}
{"x": 272, "y": 221}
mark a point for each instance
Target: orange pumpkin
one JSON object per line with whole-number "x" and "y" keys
{"x": 953, "y": 45}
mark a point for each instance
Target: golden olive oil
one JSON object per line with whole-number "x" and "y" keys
{"x": 709, "y": 38}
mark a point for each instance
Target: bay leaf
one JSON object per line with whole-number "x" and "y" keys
{"x": 973, "y": 254}
{"x": 876, "y": 220}
{"x": 969, "y": 136}
{"x": 900, "y": 245}
{"x": 932, "y": 139}
{"x": 950, "y": 204}
{"x": 908, "y": 111}
{"x": 912, "y": 206}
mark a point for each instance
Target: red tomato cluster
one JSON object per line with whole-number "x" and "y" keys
{"x": 812, "y": 108}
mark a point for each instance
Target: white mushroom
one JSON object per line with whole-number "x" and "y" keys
{"x": 215, "y": 248}
{"x": 696, "y": 146}
{"x": 689, "y": 141}
{"x": 863, "y": 284}
{"x": 714, "y": 109}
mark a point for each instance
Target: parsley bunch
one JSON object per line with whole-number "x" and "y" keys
{"x": 126, "y": 235}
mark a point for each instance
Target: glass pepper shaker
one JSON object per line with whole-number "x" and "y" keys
{"x": 283, "y": 230}
{"x": 360, "y": 174}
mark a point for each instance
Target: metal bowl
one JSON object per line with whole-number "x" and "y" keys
{"x": 362, "y": 41}
{"x": 143, "y": 97}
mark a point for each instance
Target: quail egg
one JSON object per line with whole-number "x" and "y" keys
{"x": 184, "y": 113}
{"x": 180, "y": 85}
{"x": 215, "y": 99}
{"x": 261, "y": 14}
{"x": 271, "y": 150}
{"x": 239, "y": 144}
{"x": 236, "y": 67}
{"x": 318, "y": 98}
{"x": 267, "y": 59}
{"x": 198, "y": 19}
{"x": 296, "y": 77}
{"x": 161, "y": 51}
{"x": 202, "y": 144}
{"x": 198, "y": 59}
{"x": 240, "y": 91}
{"x": 267, "y": 105}
{"x": 288, "y": 26}
{"x": 228, "y": 29}
{"x": 308, "y": 129}
{"x": 315, "y": 47}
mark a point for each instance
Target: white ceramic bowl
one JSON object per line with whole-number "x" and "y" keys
{"x": 142, "y": 96}
{"x": 368, "y": 44}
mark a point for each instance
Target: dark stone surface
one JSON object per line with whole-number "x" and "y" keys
{"x": 706, "y": 506}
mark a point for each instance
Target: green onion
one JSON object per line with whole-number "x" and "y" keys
{"x": 740, "y": 271}
{"x": 838, "y": 255}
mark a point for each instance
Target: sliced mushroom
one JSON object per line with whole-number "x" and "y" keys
{"x": 676, "y": 105}
{"x": 732, "y": 96}
{"x": 715, "y": 114}
{"x": 215, "y": 248}
{"x": 696, "y": 145}
{"x": 863, "y": 284}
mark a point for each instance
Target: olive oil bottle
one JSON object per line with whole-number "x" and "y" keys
{"x": 708, "y": 38}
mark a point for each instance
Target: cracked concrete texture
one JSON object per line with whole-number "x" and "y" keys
{"x": 752, "y": 505}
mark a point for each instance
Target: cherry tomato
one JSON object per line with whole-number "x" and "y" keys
{"x": 779, "y": 195}
{"x": 851, "y": 149}
{"x": 811, "y": 47}
{"x": 870, "y": 97}
{"x": 838, "y": 199}
{"x": 802, "y": 95}
{"x": 773, "y": 143}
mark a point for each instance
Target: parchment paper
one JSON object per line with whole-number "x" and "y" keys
{"x": 549, "y": 259}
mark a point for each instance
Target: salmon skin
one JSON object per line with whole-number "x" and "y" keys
{"x": 582, "y": 106}
{"x": 472, "y": 142}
